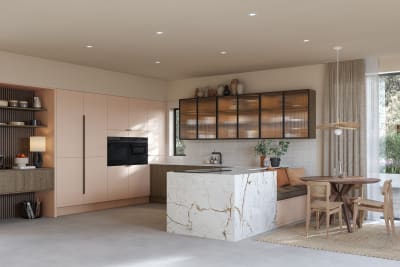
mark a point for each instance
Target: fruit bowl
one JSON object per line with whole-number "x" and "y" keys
{"x": 21, "y": 162}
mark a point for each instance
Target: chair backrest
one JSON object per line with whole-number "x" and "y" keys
{"x": 318, "y": 191}
{"x": 387, "y": 191}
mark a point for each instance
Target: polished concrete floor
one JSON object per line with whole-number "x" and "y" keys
{"x": 135, "y": 236}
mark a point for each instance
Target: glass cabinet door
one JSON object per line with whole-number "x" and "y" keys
{"x": 207, "y": 118}
{"x": 272, "y": 115}
{"x": 227, "y": 117}
{"x": 188, "y": 119}
{"x": 248, "y": 116}
{"x": 296, "y": 114}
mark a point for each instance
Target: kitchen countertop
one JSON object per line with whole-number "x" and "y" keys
{"x": 226, "y": 171}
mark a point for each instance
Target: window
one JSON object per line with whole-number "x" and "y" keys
{"x": 179, "y": 146}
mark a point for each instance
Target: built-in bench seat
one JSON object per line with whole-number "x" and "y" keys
{"x": 291, "y": 196}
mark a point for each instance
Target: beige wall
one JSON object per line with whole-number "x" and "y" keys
{"x": 305, "y": 153}
{"x": 389, "y": 63}
{"x": 33, "y": 71}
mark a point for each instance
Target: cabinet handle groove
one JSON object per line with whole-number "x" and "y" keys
{"x": 84, "y": 155}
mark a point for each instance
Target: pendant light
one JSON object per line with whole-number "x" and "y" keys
{"x": 338, "y": 126}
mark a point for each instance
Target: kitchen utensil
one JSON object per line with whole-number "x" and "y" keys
{"x": 23, "y": 104}
{"x": 16, "y": 123}
{"x": 36, "y": 102}
{"x": 13, "y": 103}
{"x": 3, "y": 103}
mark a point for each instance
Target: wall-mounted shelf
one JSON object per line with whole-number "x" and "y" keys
{"x": 23, "y": 126}
{"x": 24, "y": 109}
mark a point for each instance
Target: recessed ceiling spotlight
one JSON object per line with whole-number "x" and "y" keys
{"x": 223, "y": 52}
{"x": 89, "y": 46}
{"x": 252, "y": 14}
{"x": 157, "y": 62}
{"x": 159, "y": 33}
{"x": 306, "y": 40}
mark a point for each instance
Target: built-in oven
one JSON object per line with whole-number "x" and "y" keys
{"x": 127, "y": 151}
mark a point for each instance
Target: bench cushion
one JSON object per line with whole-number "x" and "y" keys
{"x": 290, "y": 191}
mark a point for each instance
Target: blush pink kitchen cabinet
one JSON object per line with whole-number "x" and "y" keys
{"x": 139, "y": 181}
{"x": 81, "y": 159}
{"x": 156, "y": 119}
{"x": 138, "y": 115}
{"x": 118, "y": 113}
{"x": 118, "y": 182}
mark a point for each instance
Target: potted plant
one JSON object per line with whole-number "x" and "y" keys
{"x": 275, "y": 150}
{"x": 261, "y": 150}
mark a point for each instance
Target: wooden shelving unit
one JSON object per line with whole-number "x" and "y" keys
{"x": 23, "y": 126}
{"x": 24, "y": 109}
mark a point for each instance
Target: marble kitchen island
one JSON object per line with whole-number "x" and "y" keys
{"x": 227, "y": 205}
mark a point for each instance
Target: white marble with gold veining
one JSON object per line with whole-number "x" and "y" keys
{"x": 227, "y": 205}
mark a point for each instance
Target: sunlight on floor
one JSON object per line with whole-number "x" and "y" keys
{"x": 164, "y": 262}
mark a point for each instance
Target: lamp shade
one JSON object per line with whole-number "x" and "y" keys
{"x": 37, "y": 143}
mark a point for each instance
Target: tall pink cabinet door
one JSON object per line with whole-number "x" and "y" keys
{"x": 69, "y": 185}
{"x": 139, "y": 181}
{"x": 118, "y": 182}
{"x": 95, "y": 110}
{"x": 138, "y": 115}
{"x": 69, "y": 124}
{"x": 118, "y": 110}
{"x": 157, "y": 128}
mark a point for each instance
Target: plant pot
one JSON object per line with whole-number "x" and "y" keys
{"x": 275, "y": 162}
{"x": 262, "y": 160}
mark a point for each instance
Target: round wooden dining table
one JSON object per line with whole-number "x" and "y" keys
{"x": 341, "y": 186}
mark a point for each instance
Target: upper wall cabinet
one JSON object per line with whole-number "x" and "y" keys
{"x": 288, "y": 114}
{"x": 95, "y": 110}
{"x": 207, "y": 118}
{"x": 188, "y": 119}
{"x": 271, "y": 115}
{"x": 138, "y": 110}
{"x": 249, "y": 116}
{"x": 299, "y": 113}
{"x": 118, "y": 110}
{"x": 227, "y": 117}
{"x": 156, "y": 120}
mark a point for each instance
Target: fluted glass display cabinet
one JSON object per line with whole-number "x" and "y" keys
{"x": 207, "y": 118}
{"x": 227, "y": 117}
{"x": 271, "y": 115}
{"x": 249, "y": 116}
{"x": 299, "y": 114}
{"x": 188, "y": 119}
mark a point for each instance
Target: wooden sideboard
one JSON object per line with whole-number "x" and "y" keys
{"x": 23, "y": 181}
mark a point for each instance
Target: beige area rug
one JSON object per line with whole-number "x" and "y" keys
{"x": 371, "y": 240}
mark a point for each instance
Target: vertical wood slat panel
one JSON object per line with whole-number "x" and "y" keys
{"x": 15, "y": 140}
{"x": 10, "y": 204}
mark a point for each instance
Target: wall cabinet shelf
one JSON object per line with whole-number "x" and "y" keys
{"x": 23, "y": 126}
{"x": 24, "y": 109}
{"x": 270, "y": 115}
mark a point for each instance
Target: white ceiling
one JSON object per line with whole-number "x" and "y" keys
{"x": 123, "y": 33}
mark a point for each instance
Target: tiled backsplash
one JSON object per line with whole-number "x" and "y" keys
{"x": 301, "y": 153}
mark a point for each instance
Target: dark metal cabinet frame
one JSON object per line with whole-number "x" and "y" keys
{"x": 311, "y": 113}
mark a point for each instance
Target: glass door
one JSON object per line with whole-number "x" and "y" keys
{"x": 188, "y": 119}
{"x": 249, "y": 116}
{"x": 227, "y": 117}
{"x": 207, "y": 118}
{"x": 272, "y": 115}
{"x": 296, "y": 114}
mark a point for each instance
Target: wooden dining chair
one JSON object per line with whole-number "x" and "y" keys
{"x": 386, "y": 207}
{"x": 318, "y": 195}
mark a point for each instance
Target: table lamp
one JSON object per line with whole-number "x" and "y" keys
{"x": 37, "y": 146}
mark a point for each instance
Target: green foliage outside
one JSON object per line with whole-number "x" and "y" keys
{"x": 390, "y": 144}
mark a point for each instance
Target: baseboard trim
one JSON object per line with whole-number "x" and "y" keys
{"x": 101, "y": 206}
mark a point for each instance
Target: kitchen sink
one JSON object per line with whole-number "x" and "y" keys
{"x": 207, "y": 170}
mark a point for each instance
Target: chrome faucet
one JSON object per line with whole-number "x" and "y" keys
{"x": 220, "y": 156}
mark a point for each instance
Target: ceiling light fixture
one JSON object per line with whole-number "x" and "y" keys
{"x": 157, "y": 62}
{"x": 223, "y": 52}
{"x": 306, "y": 40}
{"x": 252, "y": 14}
{"x": 159, "y": 33}
{"x": 89, "y": 46}
{"x": 338, "y": 125}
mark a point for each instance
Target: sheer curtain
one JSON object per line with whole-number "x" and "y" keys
{"x": 373, "y": 126}
{"x": 350, "y": 146}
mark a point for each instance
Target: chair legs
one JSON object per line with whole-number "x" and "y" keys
{"x": 308, "y": 218}
{"x": 328, "y": 218}
{"x": 386, "y": 217}
{"x": 340, "y": 219}
{"x": 355, "y": 213}
{"x": 317, "y": 219}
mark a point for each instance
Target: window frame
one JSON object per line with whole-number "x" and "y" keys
{"x": 176, "y": 133}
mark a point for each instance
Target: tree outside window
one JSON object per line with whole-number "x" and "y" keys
{"x": 179, "y": 146}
